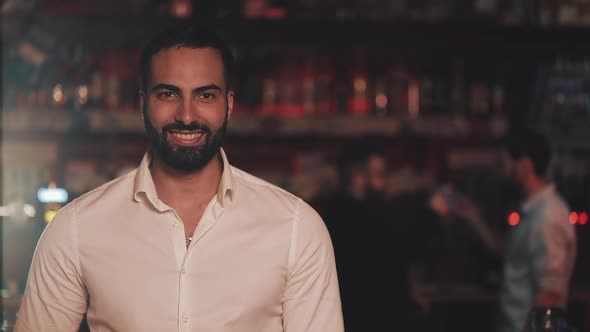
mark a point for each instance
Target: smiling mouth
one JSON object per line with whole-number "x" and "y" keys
{"x": 186, "y": 137}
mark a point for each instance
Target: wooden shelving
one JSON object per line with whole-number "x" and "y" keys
{"x": 98, "y": 122}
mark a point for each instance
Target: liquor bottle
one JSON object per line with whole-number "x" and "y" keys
{"x": 359, "y": 102}
{"x": 290, "y": 90}
{"x": 96, "y": 87}
{"x": 309, "y": 85}
{"x": 113, "y": 92}
{"x": 269, "y": 93}
{"x": 414, "y": 106}
{"x": 380, "y": 98}
{"x": 479, "y": 97}
{"x": 458, "y": 87}
{"x": 426, "y": 95}
{"x": 341, "y": 89}
{"x": 398, "y": 90}
{"x": 479, "y": 94}
{"x": 324, "y": 92}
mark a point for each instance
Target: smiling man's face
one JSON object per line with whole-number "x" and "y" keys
{"x": 186, "y": 106}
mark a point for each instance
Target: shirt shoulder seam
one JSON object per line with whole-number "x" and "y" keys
{"x": 294, "y": 234}
{"x": 249, "y": 179}
{"x": 75, "y": 239}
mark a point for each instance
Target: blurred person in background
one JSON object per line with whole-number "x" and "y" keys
{"x": 377, "y": 177}
{"x": 370, "y": 257}
{"x": 539, "y": 253}
{"x": 186, "y": 241}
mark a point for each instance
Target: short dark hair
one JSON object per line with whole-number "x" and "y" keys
{"x": 531, "y": 144}
{"x": 189, "y": 35}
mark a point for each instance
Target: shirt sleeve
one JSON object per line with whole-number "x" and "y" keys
{"x": 552, "y": 253}
{"x": 311, "y": 300}
{"x": 55, "y": 298}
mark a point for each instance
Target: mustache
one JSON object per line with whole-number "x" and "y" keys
{"x": 191, "y": 127}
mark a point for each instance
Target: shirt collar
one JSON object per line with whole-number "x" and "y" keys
{"x": 144, "y": 184}
{"x": 539, "y": 196}
{"x": 226, "y": 184}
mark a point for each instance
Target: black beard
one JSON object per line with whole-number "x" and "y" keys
{"x": 183, "y": 158}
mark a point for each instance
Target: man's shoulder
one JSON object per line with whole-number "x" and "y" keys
{"x": 554, "y": 215}
{"x": 556, "y": 207}
{"x": 249, "y": 182}
{"x": 266, "y": 193}
{"x": 68, "y": 217}
{"x": 110, "y": 191}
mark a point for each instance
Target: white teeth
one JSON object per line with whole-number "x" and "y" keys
{"x": 187, "y": 136}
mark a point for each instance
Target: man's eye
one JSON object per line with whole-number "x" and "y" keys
{"x": 167, "y": 95}
{"x": 207, "y": 95}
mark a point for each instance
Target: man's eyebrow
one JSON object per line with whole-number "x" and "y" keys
{"x": 207, "y": 88}
{"x": 163, "y": 86}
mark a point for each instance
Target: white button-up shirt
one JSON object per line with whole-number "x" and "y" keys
{"x": 260, "y": 260}
{"x": 540, "y": 256}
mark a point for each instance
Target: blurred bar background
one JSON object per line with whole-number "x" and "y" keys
{"x": 432, "y": 83}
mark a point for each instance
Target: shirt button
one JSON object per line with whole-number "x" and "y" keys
{"x": 175, "y": 223}
{"x": 183, "y": 271}
{"x": 185, "y": 319}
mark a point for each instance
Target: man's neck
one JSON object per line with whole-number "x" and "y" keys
{"x": 177, "y": 188}
{"x": 534, "y": 185}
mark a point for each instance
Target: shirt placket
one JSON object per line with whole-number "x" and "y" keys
{"x": 184, "y": 300}
{"x": 212, "y": 212}
{"x": 180, "y": 252}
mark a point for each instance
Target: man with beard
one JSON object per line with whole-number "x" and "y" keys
{"x": 186, "y": 242}
{"x": 540, "y": 251}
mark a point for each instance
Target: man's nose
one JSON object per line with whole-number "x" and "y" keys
{"x": 187, "y": 112}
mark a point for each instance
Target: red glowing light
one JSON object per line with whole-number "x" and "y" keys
{"x": 574, "y": 218}
{"x": 513, "y": 219}
{"x": 583, "y": 218}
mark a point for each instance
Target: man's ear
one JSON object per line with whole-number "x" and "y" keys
{"x": 141, "y": 102}
{"x": 230, "y": 103}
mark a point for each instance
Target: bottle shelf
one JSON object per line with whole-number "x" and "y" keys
{"x": 31, "y": 123}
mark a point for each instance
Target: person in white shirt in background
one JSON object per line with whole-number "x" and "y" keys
{"x": 540, "y": 252}
{"x": 186, "y": 242}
